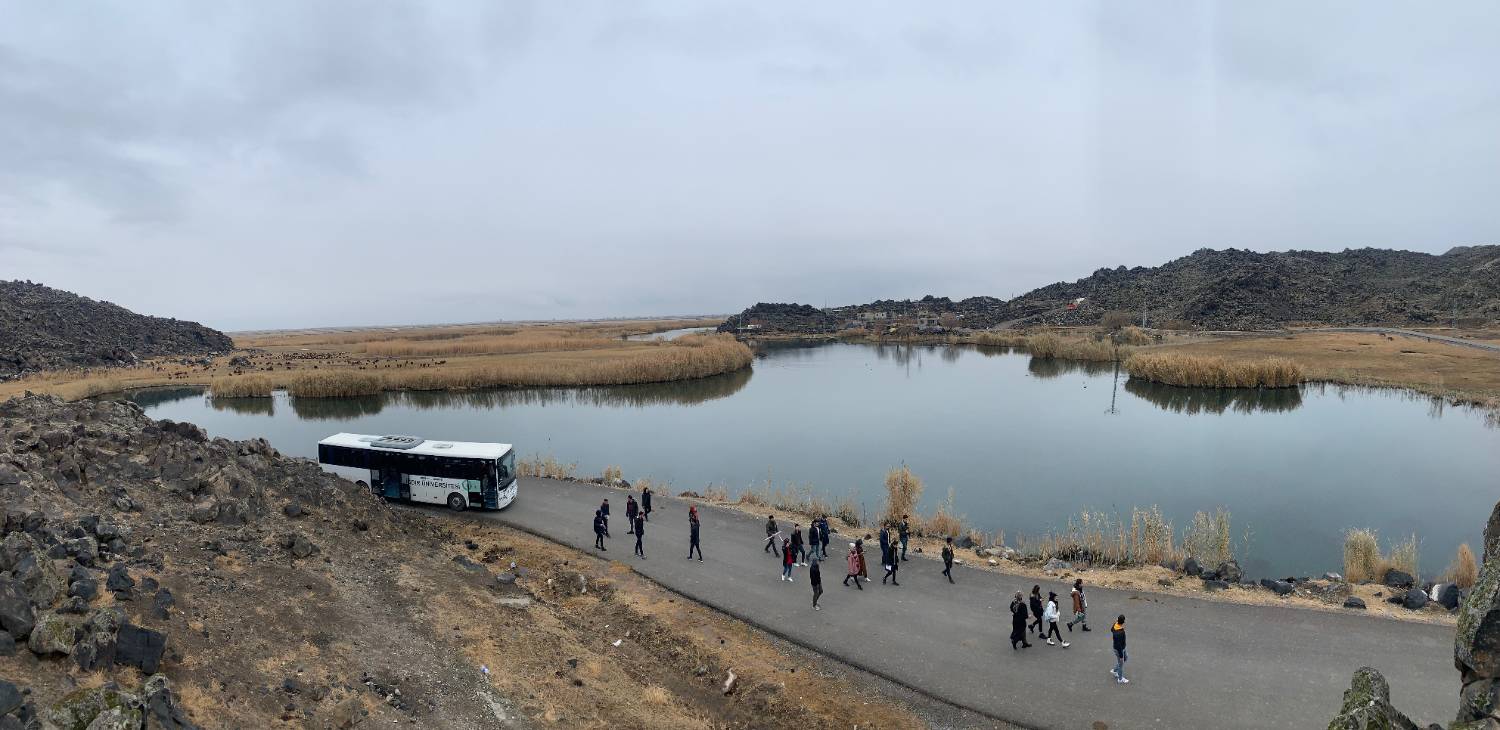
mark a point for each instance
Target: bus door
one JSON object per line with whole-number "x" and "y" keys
{"x": 392, "y": 485}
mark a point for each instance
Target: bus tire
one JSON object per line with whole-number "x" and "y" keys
{"x": 457, "y": 502}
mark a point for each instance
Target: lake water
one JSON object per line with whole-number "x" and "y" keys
{"x": 1023, "y": 443}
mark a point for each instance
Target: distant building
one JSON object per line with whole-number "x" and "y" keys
{"x": 875, "y": 316}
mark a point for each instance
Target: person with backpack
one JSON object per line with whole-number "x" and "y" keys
{"x": 948, "y": 559}
{"x": 693, "y": 534}
{"x": 604, "y": 508}
{"x": 631, "y": 509}
{"x": 786, "y": 560}
{"x": 1036, "y": 611}
{"x": 854, "y": 564}
{"x": 772, "y": 531}
{"x": 1080, "y": 606}
{"x": 1018, "y": 622}
{"x": 1051, "y": 615}
{"x": 640, "y": 532}
{"x": 815, "y": 574}
{"x": 1117, "y": 632}
{"x": 903, "y": 532}
{"x": 599, "y": 530}
{"x": 799, "y": 555}
{"x": 646, "y": 502}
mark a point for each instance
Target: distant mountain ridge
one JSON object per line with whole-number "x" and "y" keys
{"x": 1228, "y": 289}
{"x": 42, "y": 328}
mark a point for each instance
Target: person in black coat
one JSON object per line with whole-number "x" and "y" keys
{"x": 892, "y": 563}
{"x": 599, "y": 530}
{"x": 604, "y": 509}
{"x": 903, "y": 532}
{"x": 885, "y": 542}
{"x": 646, "y": 502}
{"x": 1036, "y": 609}
{"x": 640, "y": 532}
{"x": 823, "y": 534}
{"x": 631, "y": 509}
{"x": 693, "y": 534}
{"x": 1018, "y": 622}
{"x": 948, "y": 559}
{"x": 798, "y": 556}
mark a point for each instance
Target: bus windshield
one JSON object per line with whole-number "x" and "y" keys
{"x": 505, "y": 468}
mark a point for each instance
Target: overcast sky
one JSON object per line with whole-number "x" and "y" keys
{"x": 285, "y": 163}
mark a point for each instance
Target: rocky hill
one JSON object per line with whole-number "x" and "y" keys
{"x": 42, "y": 328}
{"x": 155, "y": 577}
{"x": 1231, "y": 289}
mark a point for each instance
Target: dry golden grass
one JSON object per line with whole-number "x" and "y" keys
{"x": 1463, "y": 571}
{"x": 998, "y": 339}
{"x": 944, "y": 522}
{"x": 1051, "y": 346}
{"x": 485, "y": 345}
{"x": 545, "y": 466}
{"x": 1146, "y": 538}
{"x": 1362, "y": 559}
{"x": 335, "y": 384}
{"x": 1181, "y": 369}
{"x": 343, "y": 339}
{"x": 242, "y": 386}
{"x": 1132, "y": 335}
{"x": 612, "y": 474}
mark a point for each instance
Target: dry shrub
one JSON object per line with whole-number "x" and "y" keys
{"x": 754, "y": 498}
{"x": 716, "y": 493}
{"x": 1115, "y": 319}
{"x": 903, "y": 490}
{"x": 242, "y": 386}
{"x": 847, "y": 510}
{"x": 1050, "y": 346}
{"x": 334, "y": 384}
{"x": 547, "y": 467}
{"x": 944, "y": 522}
{"x": 1174, "y": 368}
{"x": 1208, "y": 537}
{"x": 1464, "y": 571}
{"x": 1044, "y": 345}
{"x": 656, "y": 695}
{"x": 1405, "y": 557}
{"x": 612, "y": 474}
{"x": 1151, "y": 537}
{"x": 1362, "y": 560}
{"x": 1132, "y": 335}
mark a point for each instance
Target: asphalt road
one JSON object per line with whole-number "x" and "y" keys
{"x": 1193, "y": 663}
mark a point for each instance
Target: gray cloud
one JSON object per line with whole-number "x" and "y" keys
{"x": 256, "y": 165}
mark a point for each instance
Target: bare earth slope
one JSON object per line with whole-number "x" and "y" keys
{"x": 42, "y": 328}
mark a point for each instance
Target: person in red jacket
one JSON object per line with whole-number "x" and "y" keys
{"x": 787, "y": 559}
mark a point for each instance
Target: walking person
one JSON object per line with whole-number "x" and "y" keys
{"x": 1117, "y": 632}
{"x": 1018, "y": 622}
{"x": 631, "y": 509}
{"x": 1050, "y": 613}
{"x": 1036, "y": 611}
{"x": 885, "y": 541}
{"x": 646, "y": 502}
{"x": 892, "y": 562}
{"x": 864, "y": 565}
{"x": 799, "y": 556}
{"x": 771, "y": 532}
{"x": 903, "y": 532}
{"x": 854, "y": 564}
{"x": 823, "y": 534}
{"x": 599, "y": 530}
{"x": 604, "y": 508}
{"x": 693, "y": 534}
{"x": 815, "y": 574}
{"x": 640, "y": 532}
{"x": 786, "y": 560}
{"x": 812, "y": 542}
{"x": 948, "y": 559}
{"x": 1080, "y": 606}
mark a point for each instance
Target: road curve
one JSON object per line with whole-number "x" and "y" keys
{"x": 1193, "y": 663}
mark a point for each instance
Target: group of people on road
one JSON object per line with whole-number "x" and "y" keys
{"x": 808, "y": 548}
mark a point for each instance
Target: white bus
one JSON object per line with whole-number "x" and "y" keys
{"x": 460, "y": 474}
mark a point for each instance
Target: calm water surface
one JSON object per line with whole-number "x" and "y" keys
{"x": 1024, "y": 443}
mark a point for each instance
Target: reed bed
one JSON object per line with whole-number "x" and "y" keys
{"x": 1199, "y": 371}
{"x": 242, "y": 386}
{"x": 546, "y": 467}
{"x": 335, "y": 384}
{"x": 1132, "y": 335}
{"x": 903, "y": 490}
{"x": 1208, "y": 538}
{"x": 605, "y": 330}
{"x": 1050, "y": 346}
{"x": 998, "y": 339}
{"x": 539, "y": 341}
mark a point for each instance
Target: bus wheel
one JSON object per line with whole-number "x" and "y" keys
{"x": 457, "y": 503}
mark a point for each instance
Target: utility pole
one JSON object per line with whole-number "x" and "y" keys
{"x": 1143, "y": 314}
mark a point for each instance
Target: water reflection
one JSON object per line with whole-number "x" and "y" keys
{"x": 1049, "y": 367}
{"x": 1215, "y": 400}
{"x": 246, "y": 406}
{"x": 341, "y": 409}
{"x": 152, "y": 397}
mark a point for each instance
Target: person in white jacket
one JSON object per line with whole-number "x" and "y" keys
{"x": 1050, "y": 616}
